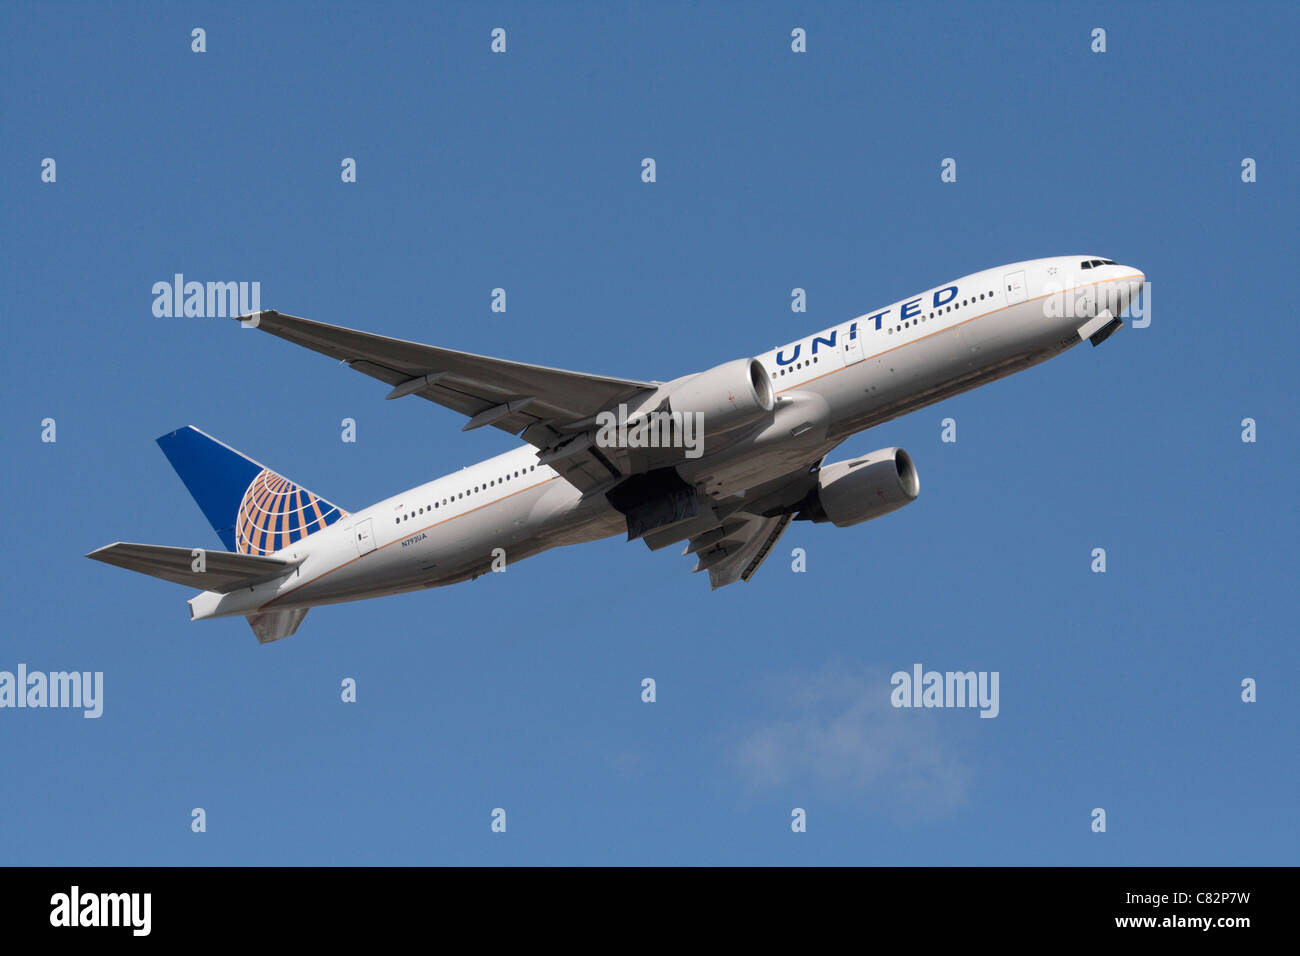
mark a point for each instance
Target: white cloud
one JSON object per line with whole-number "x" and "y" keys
{"x": 834, "y": 735}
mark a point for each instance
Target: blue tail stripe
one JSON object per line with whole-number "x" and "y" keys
{"x": 242, "y": 499}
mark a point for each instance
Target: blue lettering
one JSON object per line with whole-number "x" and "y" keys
{"x": 787, "y": 361}
{"x": 911, "y": 308}
{"x": 938, "y": 301}
{"x": 878, "y": 317}
{"x": 830, "y": 342}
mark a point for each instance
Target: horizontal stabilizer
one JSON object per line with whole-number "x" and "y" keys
{"x": 221, "y": 571}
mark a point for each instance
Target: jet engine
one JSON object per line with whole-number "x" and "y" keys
{"x": 726, "y": 397}
{"x": 851, "y": 492}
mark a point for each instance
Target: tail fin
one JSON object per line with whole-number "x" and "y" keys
{"x": 253, "y": 509}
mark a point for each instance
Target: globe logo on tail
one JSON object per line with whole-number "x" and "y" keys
{"x": 274, "y": 513}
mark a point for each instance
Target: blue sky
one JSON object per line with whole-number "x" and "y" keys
{"x": 775, "y": 170}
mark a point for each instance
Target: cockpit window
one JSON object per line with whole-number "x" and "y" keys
{"x": 1096, "y": 262}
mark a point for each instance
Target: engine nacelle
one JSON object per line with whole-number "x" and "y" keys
{"x": 851, "y": 492}
{"x": 728, "y": 396}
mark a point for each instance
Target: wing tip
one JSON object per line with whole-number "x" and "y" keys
{"x": 253, "y": 319}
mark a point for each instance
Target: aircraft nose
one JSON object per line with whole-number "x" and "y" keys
{"x": 1126, "y": 289}
{"x": 1135, "y": 285}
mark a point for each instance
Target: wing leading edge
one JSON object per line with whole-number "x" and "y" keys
{"x": 547, "y": 407}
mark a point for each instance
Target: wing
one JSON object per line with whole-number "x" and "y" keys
{"x": 549, "y": 408}
{"x": 224, "y": 572}
{"x": 734, "y": 550}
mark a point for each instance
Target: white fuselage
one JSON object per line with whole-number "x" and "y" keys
{"x": 832, "y": 384}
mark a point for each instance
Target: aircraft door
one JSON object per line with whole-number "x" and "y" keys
{"x": 1015, "y": 287}
{"x": 365, "y": 540}
{"x": 851, "y": 347}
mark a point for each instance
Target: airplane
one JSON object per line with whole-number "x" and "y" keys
{"x": 720, "y": 461}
